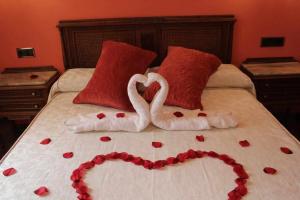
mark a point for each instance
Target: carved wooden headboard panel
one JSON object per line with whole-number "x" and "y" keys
{"x": 82, "y": 39}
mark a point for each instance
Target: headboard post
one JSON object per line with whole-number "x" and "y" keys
{"x": 82, "y": 39}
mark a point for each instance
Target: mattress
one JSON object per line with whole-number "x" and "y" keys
{"x": 206, "y": 178}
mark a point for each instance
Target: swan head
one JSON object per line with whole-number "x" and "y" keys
{"x": 147, "y": 80}
{"x": 152, "y": 77}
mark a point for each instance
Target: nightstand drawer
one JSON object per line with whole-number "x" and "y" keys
{"x": 275, "y": 83}
{"x": 270, "y": 96}
{"x": 21, "y": 106}
{"x": 25, "y": 93}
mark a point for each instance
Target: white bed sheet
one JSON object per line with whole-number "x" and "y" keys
{"x": 43, "y": 165}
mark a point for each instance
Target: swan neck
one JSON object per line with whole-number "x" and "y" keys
{"x": 160, "y": 97}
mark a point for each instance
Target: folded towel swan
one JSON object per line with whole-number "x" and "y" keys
{"x": 164, "y": 118}
{"x": 110, "y": 120}
{"x": 160, "y": 115}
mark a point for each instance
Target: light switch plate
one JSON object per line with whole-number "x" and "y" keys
{"x": 25, "y": 52}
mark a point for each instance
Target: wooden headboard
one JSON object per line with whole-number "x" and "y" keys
{"x": 82, "y": 39}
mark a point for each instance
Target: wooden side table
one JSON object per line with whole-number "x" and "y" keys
{"x": 277, "y": 83}
{"x": 24, "y": 91}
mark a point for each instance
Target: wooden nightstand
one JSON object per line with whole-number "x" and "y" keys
{"x": 24, "y": 91}
{"x": 277, "y": 83}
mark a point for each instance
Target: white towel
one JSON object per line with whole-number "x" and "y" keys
{"x": 174, "y": 118}
{"x": 113, "y": 120}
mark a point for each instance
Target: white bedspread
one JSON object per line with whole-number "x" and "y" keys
{"x": 43, "y": 165}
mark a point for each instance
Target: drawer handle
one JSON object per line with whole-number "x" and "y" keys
{"x": 33, "y": 94}
{"x": 36, "y": 106}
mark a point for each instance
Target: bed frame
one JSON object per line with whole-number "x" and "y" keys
{"x": 82, "y": 39}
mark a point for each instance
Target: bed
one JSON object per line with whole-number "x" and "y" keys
{"x": 258, "y": 145}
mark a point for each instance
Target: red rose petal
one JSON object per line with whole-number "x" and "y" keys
{"x": 68, "y": 155}
{"x": 182, "y": 157}
{"x": 240, "y": 181}
{"x": 200, "y": 154}
{"x": 202, "y": 114}
{"x": 172, "y": 161}
{"x": 157, "y": 144}
{"x": 100, "y": 115}
{"x": 148, "y": 164}
{"x": 286, "y": 150}
{"x": 270, "y": 170}
{"x": 124, "y": 156}
{"x": 192, "y": 154}
{"x": 99, "y": 159}
{"x": 76, "y": 175}
{"x": 178, "y": 114}
{"x": 105, "y": 139}
{"x": 113, "y": 155}
{"x": 9, "y": 171}
{"x": 159, "y": 164}
{"x": 87, "y": 165}
{"x": 120, "y": 115}
{"x": 212, "y": 154}
{"x": 42, "y": 191}
{"x": 200, "y": 138}
{"x": 82, "y": 189}
{"x": 242, "y": 190}
{"x": 45, "y": 141}
{"x": 138, "y": 161}
{"x": 244, "y": 143}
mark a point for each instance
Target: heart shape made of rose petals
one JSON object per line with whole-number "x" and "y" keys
{"x": 83, "y": 192}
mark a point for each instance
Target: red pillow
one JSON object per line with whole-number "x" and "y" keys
{"x": 117, "y": 63}
{"x": 187, "y": 72}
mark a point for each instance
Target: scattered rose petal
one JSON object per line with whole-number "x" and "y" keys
{"x": 182, "y": 157}
{"x": 148, "y": 164}
{"x": 241, "y": 190}
{"x": 286, "y": 150}
{"x": 240, "y": 181}
{"x": 178, "y": 114}
{"x": 157, "y": 144}
{"x": 68, "y": 155}
{"x": 45, "y": 141}
{"x": 42, "y": 191}
{"x": 202, "y": 114}
{"x": 87, "y": 165}
{"x": 244, "y": 143}
{"x": 100, "y": 115}
{"x": 159, "y": 164}
{"x": 212, "y": 154}
{"x": 105, "y": 139}
{"x": 172, "y": 160}
{"x": 120, "y": 115}
{"x": 270, "y": 170}
{"x": 192, "y": 154}
{"x": 99, "y": 159}
{"x": 200, "y": 154}
{"x": 138, "y": 161}
{"x": 200, "y": 138}
{"x": 9, "y": 171}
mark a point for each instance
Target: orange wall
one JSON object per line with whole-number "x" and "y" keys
{"x": 32, "y": 23}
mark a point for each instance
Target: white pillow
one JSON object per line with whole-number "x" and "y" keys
{"x": 227, "y": 76}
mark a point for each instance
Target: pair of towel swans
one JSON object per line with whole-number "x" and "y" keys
{"x": 161, "y": 116}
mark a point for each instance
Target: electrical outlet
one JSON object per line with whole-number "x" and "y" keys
{"x": 272, "y": 42}
{"x": 25, "y": 52}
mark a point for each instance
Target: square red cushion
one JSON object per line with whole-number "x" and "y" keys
{"x": 117, "y": 63}
{"x": 187, "y": 72}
